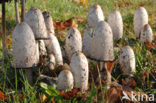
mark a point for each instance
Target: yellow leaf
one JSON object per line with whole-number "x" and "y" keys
{"x": 84, "y": 2}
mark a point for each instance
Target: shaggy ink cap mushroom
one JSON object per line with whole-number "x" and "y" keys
{"x": 116, "y": 24}
{"x": 25, "y": 48}
{"x": 48, "y": 22}
{"x": 79, "y": 69}
{"x": 140, "y": 19}
{"x": 35, "y": 20}
{"x": 65, "y": 80}
{"x": 95, "y": 15}
{"x": 73, "y": 42}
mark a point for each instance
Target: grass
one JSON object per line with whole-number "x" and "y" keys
{"x": 11, "y": 81}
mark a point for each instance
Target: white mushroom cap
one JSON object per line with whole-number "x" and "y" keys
{"x": 146, "y": 34}
{"x": 65, "y": 80}
{"x": 53, "y": 47}
{"x": 127, "y": 60}
{"x": 73, "y": 42}
{"x": 116, "y": 24}
{"x": 79, "y": 69}
{"x": 35, "y": 20}
{"x": 86, "y": 42}
{"x": 25, "y": 49}
{"x": 140, "y": 19}
{"x": 42, "y": 48}
{"x": 48, "y": 22}
{"x": 102, "y": 42}
{"x": 52, "y": 61}
{"x": 95, "y": 15}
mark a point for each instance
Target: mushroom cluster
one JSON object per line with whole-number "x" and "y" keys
{"x": 36, "y": 38}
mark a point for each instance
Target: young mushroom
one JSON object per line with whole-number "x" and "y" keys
{"x": 116, "y": 24}
{"x": 95, "y": 15}
{"x": 140, "y": 19}
{"x": 127, "y": 60}
{"x": 49, "y": 22}
{"x": 65, "y": 80}
{"x": 146, "y": 34}
{"x": 25, "y": 49}
{"x": 79, "y": 69}
{"x": 35, "y": 20}
{"x": 73, "y": 42}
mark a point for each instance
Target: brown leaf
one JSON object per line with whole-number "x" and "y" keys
{"x": 3, "y": 97}
{"x": 81, "y": 20}
{"x": 63, "y": 25}
{"x": 110, "y": 65}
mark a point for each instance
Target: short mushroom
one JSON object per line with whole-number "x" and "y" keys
{"x": 140, "y": 19}
{"x": 146, "y": 34}
{"x": 86, "y": 42}
{"x": 79, "y": 69}
{"x": 49, "y": 22}
{"x": 127, "y": 60}
{"x": 95, "y": 15}
{"x": 73, "y": 42}
{"x": 25, "y": 49}
{"x": 35, "y": 20}
{"x": 65, "y": 80}
{"x": 116, "y": 24}
{"x": 53, "y": 47}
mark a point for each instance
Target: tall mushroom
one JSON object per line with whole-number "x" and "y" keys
{"x": 65, "y": 80}
{"x": 102, "y": 48}
{"x": 79, "y": 69}
{"x": 140, "y": 19}
{"x": 35, "y": 20}
{"x": 73, "y": 42}
{"x": 127, "y": 60}
{"x": 146, "y": 34}
{"x": 95, "y": 15}
{"x": 25, "y": 49}
{"x": 116, "y": 24}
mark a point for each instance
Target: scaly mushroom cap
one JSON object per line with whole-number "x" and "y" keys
{"x": 53, "y": 47}
{"x": 146, "y": 34}
{"x": 95, "y": 15}
{"x": 25, "y": 48}
{"x": 48, "y": 22}
{"x": 65, "y": 80}
{"x": 102, "y": 42}
{"x": 79, "y": 69}
{"x": 140, "y": 19}
{"x": 42, "y": 48}
{"x": 116, "y": 24}
{"x": 86, "y": 42}
{"x": 73, "y": 42}
{"x": 127, "y": 60}
{"x": 35, "y": 20}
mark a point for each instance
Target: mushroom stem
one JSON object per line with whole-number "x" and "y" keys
{"x": 16, "y": 12}
{"x": 23, "y": 10}
{"x": 4, "y": 32}
{"x": 29, "y": 75}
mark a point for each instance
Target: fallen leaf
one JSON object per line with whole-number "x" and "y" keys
{"x": 63, "y": 25}
{"x": 110, "y": 65}
{"x": 150, "y": 45}
{"x": 3, "y": 97}
{"x": 81, "y": 20}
